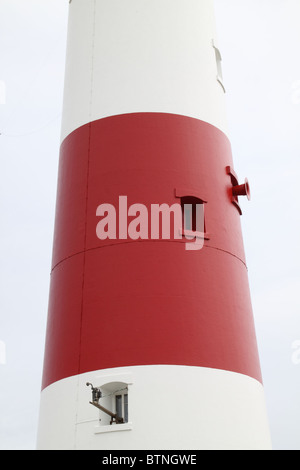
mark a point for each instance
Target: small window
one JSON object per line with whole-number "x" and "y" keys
{"x": 219, "y": 65}
{"x": 111, "y": 400}
{"x": 122, "y": 407}
{"x": 193, "y": 217}
{"x": 193, "y": 214}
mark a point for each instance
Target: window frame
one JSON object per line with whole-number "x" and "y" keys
{"x": 192, "y": 195}
{"x": 111, "y": 387}
{"x": 218, "y": 57}
{"x": 124, "y": 405}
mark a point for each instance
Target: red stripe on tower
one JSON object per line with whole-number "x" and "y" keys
{"x": 158, "y": 303}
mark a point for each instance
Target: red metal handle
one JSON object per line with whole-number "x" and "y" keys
{"x": 242, "y": 190}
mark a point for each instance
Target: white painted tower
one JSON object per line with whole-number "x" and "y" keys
{"x": 165, "y": 335}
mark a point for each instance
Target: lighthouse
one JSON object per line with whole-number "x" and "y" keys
{"x": 150, "y": 340}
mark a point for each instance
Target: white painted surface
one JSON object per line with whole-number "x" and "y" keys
{"x": 213, "y": 409}
{"x": 128, "y": 56}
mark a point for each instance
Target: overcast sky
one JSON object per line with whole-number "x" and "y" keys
{"x": 259, "y": 41}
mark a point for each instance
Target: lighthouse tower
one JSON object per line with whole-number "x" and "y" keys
{"x": 150, "y": 338}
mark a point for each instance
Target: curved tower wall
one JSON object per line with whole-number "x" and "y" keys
{"x": 164, "y": 325}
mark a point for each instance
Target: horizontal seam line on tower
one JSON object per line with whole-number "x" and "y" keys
{"x": 141, "y": 241}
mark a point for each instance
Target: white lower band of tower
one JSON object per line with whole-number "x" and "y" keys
{"x": 212, "y": 409}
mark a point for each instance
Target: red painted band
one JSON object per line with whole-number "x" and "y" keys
{"x": 117, "y": 303}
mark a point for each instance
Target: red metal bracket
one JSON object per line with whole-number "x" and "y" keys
{"x": 238, "y": 189}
